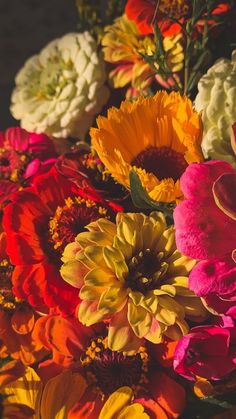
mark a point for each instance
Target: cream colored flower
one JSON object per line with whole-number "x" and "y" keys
{"x": 59, "y": 91}
{"x": 217, "y": 100}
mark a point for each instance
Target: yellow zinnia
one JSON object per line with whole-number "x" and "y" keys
{"x": 157, "y": 136}
{"x": 131, "y": 275}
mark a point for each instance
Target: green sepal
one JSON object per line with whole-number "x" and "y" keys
{"x": 142, "y": 200}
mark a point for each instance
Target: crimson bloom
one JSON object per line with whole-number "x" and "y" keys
{"x": 143, "y": 13}
{"x": 39, "y": 222}
{"x": 205, "y": 232}
{"x": 86, "y": 350}
{"x": 22, "y": 156}
{"x": 207, "y": 351}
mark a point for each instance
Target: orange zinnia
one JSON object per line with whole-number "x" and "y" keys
{"x": 158, "y": 137}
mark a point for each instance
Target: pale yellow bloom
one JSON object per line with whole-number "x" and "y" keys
{"x": 216, "y": 99}
{"x": 136, "y": 279}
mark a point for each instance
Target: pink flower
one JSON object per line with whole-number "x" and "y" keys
{"x": 203, "y": 231}
{"x": 206, "y": 229}
{"x": 22, "y": 156}
{"x": 207, "y": 351}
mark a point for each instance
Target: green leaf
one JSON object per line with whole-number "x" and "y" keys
{"x": 142, "y": 200}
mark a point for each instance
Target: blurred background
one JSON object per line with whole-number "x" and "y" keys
{"x": 25, "y": 27}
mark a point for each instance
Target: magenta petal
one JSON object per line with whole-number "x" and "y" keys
{"x": 207, "y": 351}
{"x": 202, "y": 230}
{"x": 197, "y": 180}
{"x": 41, "y": 145}
{"x": 18, "y": 138}
{"x": 224, "y": 191}
{"x": 214, "y": 276}
{"x": 32, "y": 168}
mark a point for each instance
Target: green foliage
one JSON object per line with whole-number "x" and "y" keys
{"x": 94, "y": 15}
{"x": 142, "y": 200}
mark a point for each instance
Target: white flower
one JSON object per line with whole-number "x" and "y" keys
{"x": 217, "y": 100}
{"x": 60, "y": 90}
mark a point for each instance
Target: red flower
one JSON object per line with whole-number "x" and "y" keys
{"x": 39, "y": 222}
{"x": 143, "y": 13}
{"x": 85, "y": 350}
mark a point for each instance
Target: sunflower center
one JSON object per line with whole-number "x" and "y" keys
{"x": 146, "y": 271}
{"x": 70, "y": 220}
{"x": 12, "y": 164}
{"x": 7, "y": 299}
{"x": 108, "y": 370}
{"x": 174, "y": 8}
{"x": 163, "y": 162}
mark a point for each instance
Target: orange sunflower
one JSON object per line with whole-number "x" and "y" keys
{"x": 158, "y": 137}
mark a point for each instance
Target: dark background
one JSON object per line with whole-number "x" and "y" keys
{"x": 25, "y": 27}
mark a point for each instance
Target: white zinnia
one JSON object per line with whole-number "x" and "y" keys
{"x": 217, "y": 100}
{"x": 60, "y": 90}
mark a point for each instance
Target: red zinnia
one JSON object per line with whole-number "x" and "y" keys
{"x": 143, "y": 13}
{"x": 39, "y": 222}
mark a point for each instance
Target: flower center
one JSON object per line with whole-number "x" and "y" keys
{"x": 53, "y": 77}
{"x": 146, "y": 271}
{"x": 163, "y": 162}
{"x": 7, "y": 299}
{"x": 12, "y": 164}
{"x": 70, "y": 220}
{"x": 174, "y": 8}
{"x": 107, "y": 370}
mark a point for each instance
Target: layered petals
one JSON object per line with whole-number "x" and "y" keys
{"x": 136, "y": 280}
{"x": 164, "y": 136}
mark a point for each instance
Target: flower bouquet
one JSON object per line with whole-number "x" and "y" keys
{"x": 118, "y": 215}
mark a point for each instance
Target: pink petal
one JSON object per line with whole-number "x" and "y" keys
{"x": 32, "y": 168}
{"x": 224, "y": 191}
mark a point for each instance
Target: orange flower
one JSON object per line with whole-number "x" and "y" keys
{"x": 157, "y": 137}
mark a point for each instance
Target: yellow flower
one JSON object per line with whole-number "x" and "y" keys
{"x": 123, "y": 46}
{"x": 136, "y": 279}
{"x": 119, "y": 405}
{"x": 157, "y": 136}
{"x": 51, "y": 402}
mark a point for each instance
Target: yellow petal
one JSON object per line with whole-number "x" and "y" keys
{"x": 139, "y": 319}
{"x": 113, "y": 300}
{"x": 89, "y": 314}
{"x": 117, "y": 401}
{"x": 26, "y": 390}
{"x": 120, "y": 334}
{"x": 136, "y": 410}
{"x": 60, "y": 394}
